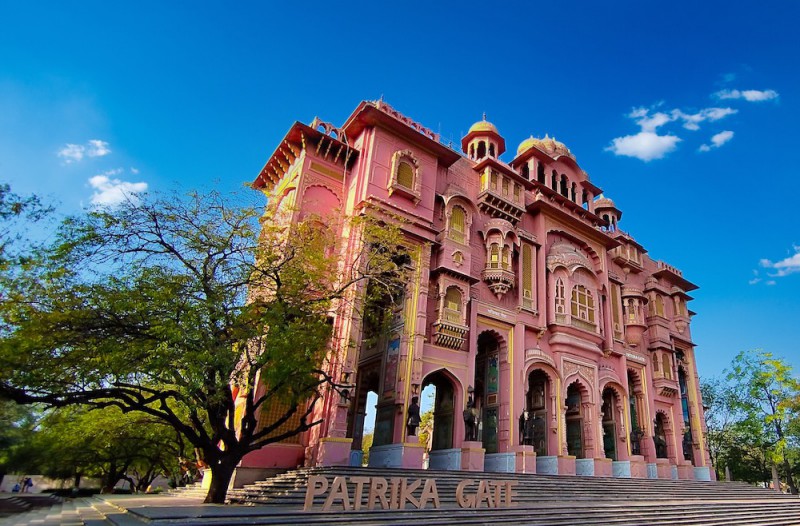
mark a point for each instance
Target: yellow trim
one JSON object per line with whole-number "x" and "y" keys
{"x": 695, "y": 422}
{"x": 413, "y": 444}
{"x": 557, "y": 411}
{"x": 411, "y": 331}
{"x": 336, "y": 439}
{"x": 627, "y": 416}
{"x": 643, "y": 378}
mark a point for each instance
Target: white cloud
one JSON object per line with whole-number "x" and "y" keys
{"x": 691, "y": 121}
{"x": 717, "y": 140}
{"x": 770, "y": 282}
{"x": 75, "y": 152}
{"x": 784, "y": 267}
{"x": 753, "y": 281}
{"x": 645, "y": 145}
{"x": 71, "y": 153}
{"x": 97, "y": 148}
{"x": 109, "y": 191}
{"x": 649, "y": 123}
{"x": 750, "y": 95}
{"x": 134, "y": 171}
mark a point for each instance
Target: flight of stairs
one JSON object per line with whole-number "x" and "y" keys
{"x": 540, "y": 499}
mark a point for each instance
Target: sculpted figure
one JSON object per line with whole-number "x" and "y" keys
{"x": 413, "y": 417}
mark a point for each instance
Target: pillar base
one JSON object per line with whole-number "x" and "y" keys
{"x": 685, "y": 470}
{"x": 413, "y": 453}
{"x": 472, "y": 456}
{"x": 603, "y": 467}
{"x": 525, "y": 459}
{"x": 334, "y": 451}
{"x": 566, "y": 465}
{"x": 386, "y": 456}
{"x": 663, "y": 468}
{"x": 638, "y": 467}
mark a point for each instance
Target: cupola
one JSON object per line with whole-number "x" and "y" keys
{"x": 605, "y": 208}
{"x": 483, "y": 140}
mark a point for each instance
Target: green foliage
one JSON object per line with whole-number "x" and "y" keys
{"x": 164, "y": 305}
{"x": 366, "y": 445}
{"x": 426, "y": 428}
{"x": 752, "y": 418}
{"x": 19, "y": 424}
{"x": 16, "y": 214}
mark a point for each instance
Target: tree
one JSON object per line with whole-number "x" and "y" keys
{"x": 74, "y": 442}
{"x": 16, "y": 213}
{"x": 765, "y": 393}
{"x": 168, "y": 306}
{"x": 19, "y": 425}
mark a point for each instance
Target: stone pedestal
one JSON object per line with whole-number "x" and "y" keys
{"x": 652, "y": 470}
{"x": 445, "y": 459}
{"x": 663, "y": 468}
{"x": 356, "y": 458}
{"x": 702, "y": 474}
{"x": 638, "y": 467}
{"x": 547, "y": 465}
{"x": 621, "y": 469}
{"x": 499, "y": 462}
{"x": 472, "y": 456}
{"x": 386, "y": 456}
{"x": 584, "y": 467}
{"x": 603, "y": 467}
{"x": 685, "y": 470}
{"x": 673, "y": 472}
{"x": 413, "y": 453}
{"x": 566, "y": 465}
{"x": 334, "y": 451}
{"x": 525, "y": 459}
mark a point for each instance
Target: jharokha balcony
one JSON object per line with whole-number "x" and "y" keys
{"x": 500, "y": 279}
{"x": 449, "y": 330}
{"x": 501, "y": 197}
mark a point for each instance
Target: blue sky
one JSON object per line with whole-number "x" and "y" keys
{"x": 685, "y": 113}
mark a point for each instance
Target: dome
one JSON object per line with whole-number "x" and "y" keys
{"x": 482, "y": 127}
{"x": 603, "y": 202}
{"x": 548, "y": 145}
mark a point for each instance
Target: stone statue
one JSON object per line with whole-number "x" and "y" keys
{"x": 413, "y": 417}
{"x": 687, "y": 446}
{"x": 526, "y": 429}
{"x": 471, "y": 419}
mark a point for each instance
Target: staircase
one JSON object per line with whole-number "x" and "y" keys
{"x": 538, "y": 500}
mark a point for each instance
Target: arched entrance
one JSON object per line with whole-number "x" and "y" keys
{"x": 537, "y": 406}
{"x": 441, "y": 436}
{"x": 574, "y": 418}
{"x": 362, "y": 414}
{"x": 635, "y": 394}
{"x": 610, "y": 402}
{"x": 487, "y": 389}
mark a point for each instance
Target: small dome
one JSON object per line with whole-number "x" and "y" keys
{"x": 483, "y": 126}
{"x": 603, "y": 202}
{"x": 548, "y": 145}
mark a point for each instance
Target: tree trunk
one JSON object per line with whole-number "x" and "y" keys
{"x": 789, "y": 478}
{"x": 221, "y": 473}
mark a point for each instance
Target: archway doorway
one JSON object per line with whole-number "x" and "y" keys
{"x": 574, "y": 417}
{"x": 537, "y": 405}
{"x": 610, "y": 423}
{"x": 487, "y": 389}
{"x": 441, "y": 387}
{"x": 687, "y": 444}
{"x": 362, "y": 415}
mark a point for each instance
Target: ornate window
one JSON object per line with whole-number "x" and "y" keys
{"x": 506, "y": 257}
{"x": 405, "y": 177}
{"x": 560, "y": 300}
{"x": 659, "y": 305}
{"x": 527, "y": 276}
{"x": 458, "y": 258}
{"x": 494, "y": 256}
{"x": 582, "y": 304}
{"x": 458, "y": 225}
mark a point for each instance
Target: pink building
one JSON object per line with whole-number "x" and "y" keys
{"x": 528, "y": 303}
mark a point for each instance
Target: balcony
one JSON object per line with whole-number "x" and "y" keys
{"x": 500, "y": 280}
{"x": 449, "y": 330}
{"x": 501, "y": 197}
{"x": 666, "y": 386}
